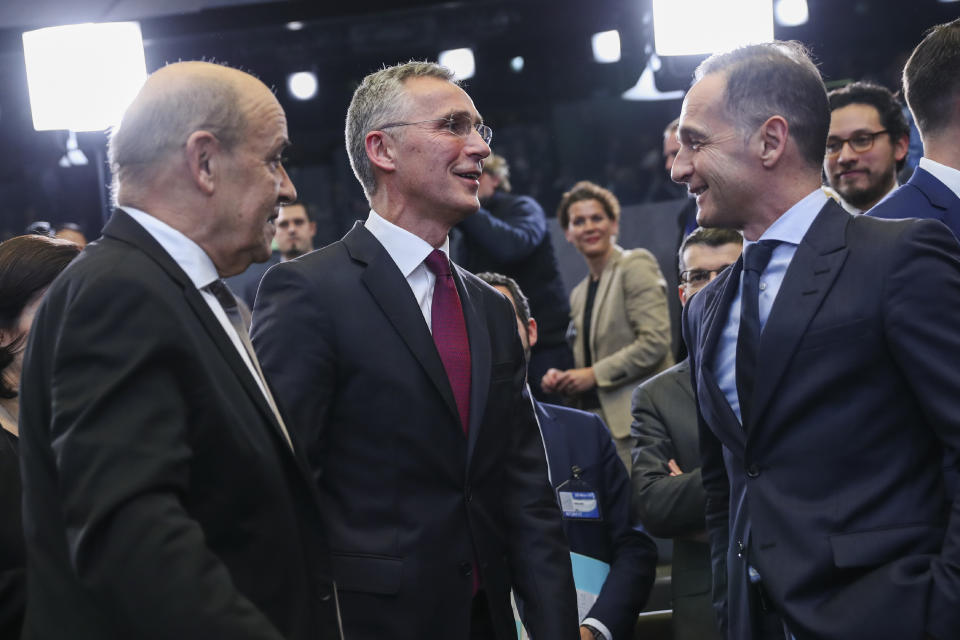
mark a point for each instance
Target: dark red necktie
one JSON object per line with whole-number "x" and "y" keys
{"x": 450, "y": 333}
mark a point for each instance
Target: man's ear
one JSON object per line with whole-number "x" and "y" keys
{"x": 901, "y": 147}
{"x": 532, "y": 332}
{"x": 204, "y": 152}
{"x": 380, "y": 150}
{"x": 773, "y": 136}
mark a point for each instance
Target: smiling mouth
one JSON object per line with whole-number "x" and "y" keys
{"x": 698, "y": 191}
{"x": 470, "y": 175}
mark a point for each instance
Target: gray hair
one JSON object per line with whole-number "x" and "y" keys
{"x": 381, "y": 98}
{"x": 160, "y": 120}
{"x": 775, "y": 78}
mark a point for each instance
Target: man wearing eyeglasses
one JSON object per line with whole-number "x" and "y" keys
{"x": 866, "y": 145}
{"x": 404, "y": 377}
{"x": 668, "y": 496}
{"x": 932, "y": 88}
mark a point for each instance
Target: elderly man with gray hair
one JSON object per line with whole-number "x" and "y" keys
{"x": 164, "y": 496}
{"x": 403, "y": 375}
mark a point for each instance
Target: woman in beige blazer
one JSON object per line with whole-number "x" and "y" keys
{"x": 619, "y": 317}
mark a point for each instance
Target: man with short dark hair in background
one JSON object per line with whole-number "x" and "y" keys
{"x": 824, "y": 366}
{"x": 164, "y": 496}
{"x": 508, "y": 235}
{"x": 404, "y": 376}
{"x": 582, "y": 457}
{"x": 668, "y": 496}
{"x": 931, "y": 85}
{"x": 866, "y": 145}
{"x": 296, "y": 229}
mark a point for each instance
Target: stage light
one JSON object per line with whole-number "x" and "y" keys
{"x": 460, "y": 61}
{"x": 646, "y": 88}
{"x": 516, "y": 64}
{"x": 791, "y": 13}
{"x": 294, "y": 25}
{"x": 606, "y": 46}
{"x": 302, "y": 85}
{"x": 695, "y": 27}
{"x": 82, "y": 77}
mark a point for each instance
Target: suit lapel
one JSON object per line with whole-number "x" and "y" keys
{"x": 939, "y": 194}
{"x": 716, "y": 312}
{"x": 480, "y": 351}
{"x": 811, "y": 274}
{"x": 122, "y": 227}
{"x": 389, "y": 288}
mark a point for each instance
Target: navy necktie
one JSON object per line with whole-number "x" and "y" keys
{"x": 755, "y": 259}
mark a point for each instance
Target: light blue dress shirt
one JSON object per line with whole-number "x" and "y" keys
{"x": 788, "y": 230}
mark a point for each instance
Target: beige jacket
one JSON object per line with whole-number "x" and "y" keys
{"x": 629, "y": 331}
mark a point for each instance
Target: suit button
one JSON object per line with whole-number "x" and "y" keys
{"x": 324, "y": 595}
{"x": 466, "y": 569}
{"x": 753, "y": 471}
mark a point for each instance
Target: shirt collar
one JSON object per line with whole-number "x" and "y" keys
{"x": 794, "y": 223}
{"x": 947, "y": 175}
{"x": 185, "y": 252}
{"x": 407, "y": 250}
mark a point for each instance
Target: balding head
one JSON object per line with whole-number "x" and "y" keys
{"x": 173, "y": 103}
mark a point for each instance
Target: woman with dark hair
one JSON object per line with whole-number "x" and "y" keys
{"x": 28, "y": 264}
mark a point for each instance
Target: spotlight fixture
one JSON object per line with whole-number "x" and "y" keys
{"x": 302, "y": 85}
{"x": 606, "y": 46}
{"x": 695, "y": 27}
{"x": 460, "y": 61}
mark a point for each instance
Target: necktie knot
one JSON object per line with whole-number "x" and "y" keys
{"x": 220, "y": 291}
{"x": 757, "y": 256}
{"x": 438, "y": 263}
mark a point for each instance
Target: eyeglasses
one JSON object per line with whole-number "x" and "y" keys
{"x": 860, "y": 142}
{"x": 459, "y": 124}
{"x": 700, "y": 276}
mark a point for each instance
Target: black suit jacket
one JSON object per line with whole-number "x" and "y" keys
{"x": 665, "y": 427}
{"x": 835, "y": 490}
{"x": 923, "y": 196}
{"x": 580, "y": 438}
{"x": 160, "y": 498}
{"x": 409, "y": 502}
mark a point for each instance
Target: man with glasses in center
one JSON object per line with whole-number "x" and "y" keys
{"x": 404, "y": 378}
{"x": 866, "y": 146}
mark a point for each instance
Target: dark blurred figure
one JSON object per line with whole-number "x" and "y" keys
{"x": 619, "y": 316}
{"x": 931, "y": 84}
{"x": 73, "y": 232}
{"x": 583, "y": 457}
{"x": 40, "y": 228}
{"x": 508, "y": 235}
{"x": 28, "y": 264}
{"x": 668, "y": 496}
{"x": 866, "y": 145}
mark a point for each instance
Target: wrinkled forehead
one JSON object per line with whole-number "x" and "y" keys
{"x": 704, "y": 105}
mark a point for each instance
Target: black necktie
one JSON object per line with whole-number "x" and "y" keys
{"x": 226, "y": 299}
{"x": 755, "y": 259}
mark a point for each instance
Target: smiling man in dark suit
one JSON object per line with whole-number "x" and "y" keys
{"x": 163, "y": 495}
{"x": 824, "y": 364}
{"x": 404, "y": 376}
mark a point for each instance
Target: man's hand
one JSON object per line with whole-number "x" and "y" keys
{"x": 574, "y": 381}
{"x": 586, "y": 633}
{"x": 674, "y": 468}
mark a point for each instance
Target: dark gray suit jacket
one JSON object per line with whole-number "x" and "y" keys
{"x": 409, "y": 502}
{"x": 665, "y": 426}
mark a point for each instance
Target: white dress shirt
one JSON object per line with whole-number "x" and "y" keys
{"x": 947, "y": 175}
{"x": 409, "y": 251}
{"x": 200, "y": 269}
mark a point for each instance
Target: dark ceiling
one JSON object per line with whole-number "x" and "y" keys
{"x": 560, "y": 87}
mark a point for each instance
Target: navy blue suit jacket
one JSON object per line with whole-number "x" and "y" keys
{"x": 923, "y": 196}
{"x": 579, "y": 438}
{"x": 839, "y": 472}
